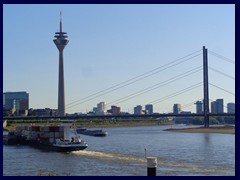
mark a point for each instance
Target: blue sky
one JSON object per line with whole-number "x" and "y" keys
{"x": 109, "y": 44}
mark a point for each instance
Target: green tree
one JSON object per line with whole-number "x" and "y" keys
{"x": 220, "y": 120}
{"x": 214, "y": 121}
{"x": 229, "y": 120}
{"x": 197, "y": 121}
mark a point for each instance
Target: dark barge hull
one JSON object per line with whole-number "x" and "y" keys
{"x": 51, "y": 147}
{"x": 14, "y": 140}
{"x": 92, "y": 133}
{"x": 42, "y": 145}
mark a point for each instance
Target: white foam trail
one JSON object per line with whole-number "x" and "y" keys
{"x": 142, "y": 161}
{"x": 110, "y": 156}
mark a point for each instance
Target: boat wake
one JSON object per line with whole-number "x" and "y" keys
{"x": 110, "y": 156}
{"x": 167, "y": 168}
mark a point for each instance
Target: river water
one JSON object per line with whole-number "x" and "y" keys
{"x": 122, "y": 153}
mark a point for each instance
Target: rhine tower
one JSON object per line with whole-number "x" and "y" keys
{"x": 61, "y": 40}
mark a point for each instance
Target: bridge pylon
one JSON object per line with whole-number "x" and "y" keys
{"x": 205, "y": 88}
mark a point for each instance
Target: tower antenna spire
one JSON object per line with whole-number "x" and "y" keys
{"x": 60, "y": 21}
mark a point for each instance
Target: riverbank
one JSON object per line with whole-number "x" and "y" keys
{"x": 94, "y": 125}
{"x": 124, "y": 124}
{"x": 214, "y": 129}
{"x": 218, "y": 129}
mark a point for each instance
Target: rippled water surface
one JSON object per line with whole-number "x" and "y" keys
{"x": 122, "y": 153}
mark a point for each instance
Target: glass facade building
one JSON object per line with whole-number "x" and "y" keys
{"x": 16, "y": 100}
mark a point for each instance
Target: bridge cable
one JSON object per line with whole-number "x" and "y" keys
{"x": 222, "y": 89}
{"x": 221, "y": 73}
{"x": 186, "y": 105}
{"x": 175, "y": 94}
{"x": 137, "y": 78}
{"x": 158, "y": 85}
{"x": 221, "y": 57}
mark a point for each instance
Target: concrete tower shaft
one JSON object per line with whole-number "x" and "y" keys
{"x": 61, "y": 40}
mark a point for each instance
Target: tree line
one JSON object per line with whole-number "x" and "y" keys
{"x": 214, "y": 120}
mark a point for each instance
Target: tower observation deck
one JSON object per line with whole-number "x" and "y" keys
{"x": 61, "y": 40}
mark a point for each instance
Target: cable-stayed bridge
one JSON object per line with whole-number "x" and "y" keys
{"x": 205, "y": 84}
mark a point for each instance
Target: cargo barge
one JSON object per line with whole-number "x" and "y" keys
{"x": 95, "y": 132}
{"x": 54, "y": 138}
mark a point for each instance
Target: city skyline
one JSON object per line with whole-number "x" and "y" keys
{"x": 107, "y": 50}
{"x": 13, "y": 101}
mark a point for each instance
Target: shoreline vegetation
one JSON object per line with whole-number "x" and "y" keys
{"x": 217, "y": 129}
{"x": 12, "y": 126}
{"x": 225, "y": 129}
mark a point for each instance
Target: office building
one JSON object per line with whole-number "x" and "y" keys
{"x": 115, "y": 110}
{"x": 231, "y": 108}
{"x": 213, "y": 107}
{"x": 149, "y": 109}
{"x": 101, "y": 108}
{"x": 199, "y": 107}
{"x": 138, "y": 110}
{"x": 16, "y": 100}
{"x": 219, "y": 104}
{"x": 176, "y": 108}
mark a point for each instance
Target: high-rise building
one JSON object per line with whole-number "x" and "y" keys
{"x": 115, "y": 110}
{"x": 213, "y": 107}
{"x": 61, "y": 40}
{"x": 138, "y": 110}
{"x": 199, "y": 107}
{"x": 219, "y": 104}
{"x": 231, "y": 108}
{"x": 16, "y": 100}
{"x": 101, "y": 108}
{"x": 149, "y": 109}
{"x": 176, "y": 108}
{"x": 95, "y": 110}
